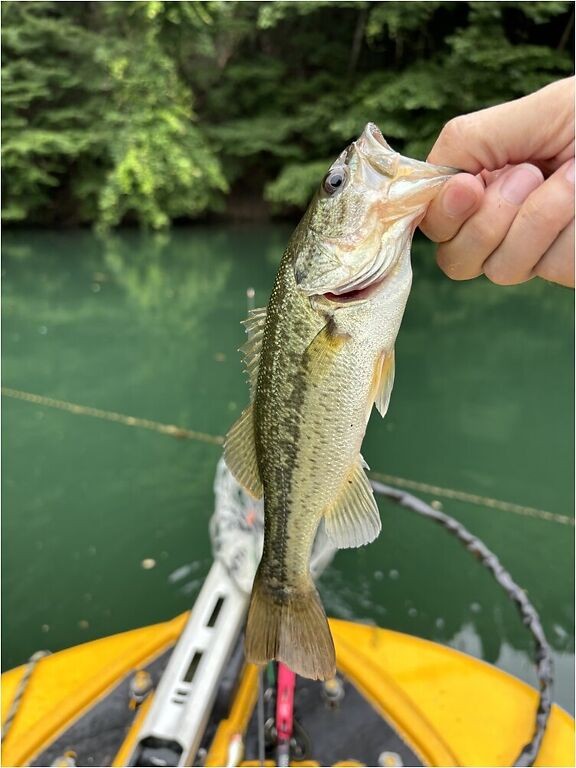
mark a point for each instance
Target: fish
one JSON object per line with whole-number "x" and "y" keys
{"x": 318, "y": 358}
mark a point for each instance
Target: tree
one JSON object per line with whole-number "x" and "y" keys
{"x": 97, "y": 124}
{"x": 156, "y": 111}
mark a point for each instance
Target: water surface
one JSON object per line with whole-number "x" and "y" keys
{"x": 149, "y": 327}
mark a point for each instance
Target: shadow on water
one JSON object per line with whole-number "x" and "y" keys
{"x": 105, "y": 527}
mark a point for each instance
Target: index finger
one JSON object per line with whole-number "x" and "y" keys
{"x": 511, "y": 133}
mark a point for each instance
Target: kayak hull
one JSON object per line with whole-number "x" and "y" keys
{"x": 446, "y": 707}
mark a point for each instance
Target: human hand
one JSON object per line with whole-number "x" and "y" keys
{"x": 511, "y": 216}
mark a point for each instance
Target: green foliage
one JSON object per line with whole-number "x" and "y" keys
{"x": 44, "y": 75}
{"x": 97, "y": 123}
{"x": 162, "y": 167}
{"x": 154, "y": 111}
{"x": 296, "y": 183}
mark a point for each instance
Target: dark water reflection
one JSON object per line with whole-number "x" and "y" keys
{"x": 105, "y": 527}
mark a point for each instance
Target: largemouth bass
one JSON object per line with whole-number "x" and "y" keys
{"x": 318, "y": 358}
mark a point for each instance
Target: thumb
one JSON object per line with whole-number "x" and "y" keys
{"x": 537, "y": 128}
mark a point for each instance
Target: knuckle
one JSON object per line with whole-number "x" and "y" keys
{"x": 448, "y": 268}
{"x": 456, "y": 129}
{"x": 482, "y": 233}
{"x": 538, "y": 217}
{"x": 470, "y": 130}
{"x": 454, "y": 265}
{"x": 497, "y": 274}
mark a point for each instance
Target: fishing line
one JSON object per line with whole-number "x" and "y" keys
{"x": 260, "y": 716}
{"x": 128, "y": 421}
{"x": 472, "y": 498}
{"x": 180, "y": 432}
{"x": 528, "y": 614}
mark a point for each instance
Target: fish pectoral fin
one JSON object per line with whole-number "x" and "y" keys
{"x": 320, "y": 353}
{"x": 384, "y": 381}
{"x": 353, "y": 519}
{"x": 254, "y": 326}
{"x": 240, "y": 454}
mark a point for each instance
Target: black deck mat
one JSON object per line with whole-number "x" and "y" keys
{"x": 98, "y": 735}
{"x": 353, "y": 730}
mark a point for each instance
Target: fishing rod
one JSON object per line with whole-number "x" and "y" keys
{"x": 284, "y": 714}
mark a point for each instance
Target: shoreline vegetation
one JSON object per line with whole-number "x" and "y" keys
{"x": 159, "y": 113}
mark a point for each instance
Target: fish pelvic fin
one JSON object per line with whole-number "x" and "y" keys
{"x": 291, "y": 628}
{"x": 353, "y": 520}
{"x": 383, "y": 381}
{"x": 240, "y": 454}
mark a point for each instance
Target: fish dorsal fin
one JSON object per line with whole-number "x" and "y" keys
{"x": 254, "y": 326}
{"x": 384, "y": 381}
{"x": 353, "y": 519}
{"x": 240, "y": 454}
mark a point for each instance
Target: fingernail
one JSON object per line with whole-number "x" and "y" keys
{"x": 570, "y": 172}
{"x": 458, "y": 200}
{"x": 519, "y": 183}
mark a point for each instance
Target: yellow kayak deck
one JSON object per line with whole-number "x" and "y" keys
{"x": 450, "y": 708}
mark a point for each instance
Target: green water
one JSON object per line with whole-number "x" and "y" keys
{"x": 149, "y": 327}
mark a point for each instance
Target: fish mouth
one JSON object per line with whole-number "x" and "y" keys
{"x": 356, "y": 294}
{"x": 364, "y": 284}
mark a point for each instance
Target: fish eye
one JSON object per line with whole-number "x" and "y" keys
{"x": 334, "y": 180}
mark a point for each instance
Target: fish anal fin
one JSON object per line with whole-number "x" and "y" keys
{"x": 291, "y": 628}
{"x": 240, "y": 454}
{"x": 254, "y": 326}
{"x": 353, "y": 519}
{"x": 383, "y": 381}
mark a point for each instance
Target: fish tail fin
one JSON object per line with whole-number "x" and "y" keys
{"x": 293, "y": 630}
